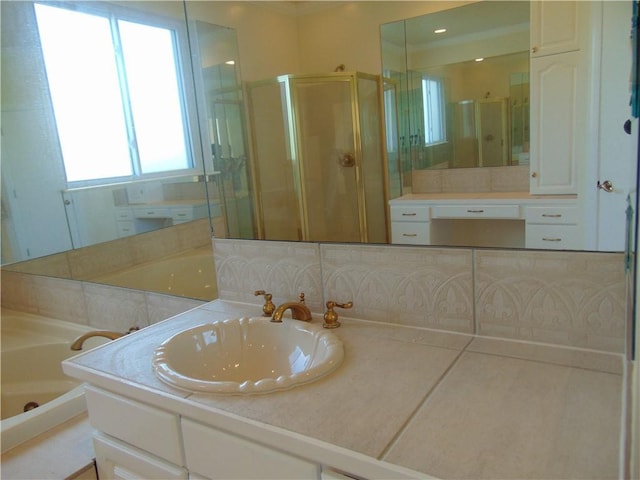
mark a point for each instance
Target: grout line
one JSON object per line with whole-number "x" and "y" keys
{"x": 546, "y": 362}
{"x": 420, "y": 405}
{"x": 473, "y": 292}
{"x": 323, "y": 299}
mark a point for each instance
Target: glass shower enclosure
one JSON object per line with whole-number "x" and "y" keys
{"x": 319, "y": 160}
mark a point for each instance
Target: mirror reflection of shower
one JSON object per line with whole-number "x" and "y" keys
{"x": 223, "y": 130}
{"x": 456, "y": 123}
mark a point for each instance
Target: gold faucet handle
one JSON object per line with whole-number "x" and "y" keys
{"x": 268, "y": 307}
{"x": 330, "y": 316}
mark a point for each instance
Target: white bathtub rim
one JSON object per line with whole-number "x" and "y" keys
{"x": 17, "y": 320}
{"x": 21, "y": 428}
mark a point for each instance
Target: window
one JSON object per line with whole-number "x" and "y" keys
{"x": 116, "y": 94}
{"x": 434, "y": 111}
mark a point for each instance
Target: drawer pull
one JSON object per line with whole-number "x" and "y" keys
{"x": 545, "y": 239}
{"x": 475, "y": 211}
{"x": 552, "y": 215}
{"x": 409, "y": 234}
{"x": 409, "y": 214}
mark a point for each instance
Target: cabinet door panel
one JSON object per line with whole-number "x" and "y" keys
{"x": 144, "y": 426}
{"x": 216, "y": 454}
{"x": 117, "y": 460}
{"x": 555, "y": 27}
{"x": 557, "y": 122}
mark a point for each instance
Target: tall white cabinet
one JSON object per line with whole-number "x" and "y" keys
{"x": 560, "y": 105}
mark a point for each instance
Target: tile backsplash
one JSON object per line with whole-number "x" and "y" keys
{"x": 574, "y": 299}
{"x": 459, "y": 180}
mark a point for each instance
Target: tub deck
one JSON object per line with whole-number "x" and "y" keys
{"x": 33, "y": 348}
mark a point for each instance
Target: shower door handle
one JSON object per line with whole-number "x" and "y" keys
{"x": 347, "y": 160}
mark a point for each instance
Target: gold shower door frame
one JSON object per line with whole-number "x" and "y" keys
{"x": 301, "y": 170}
{"x": 309, "y": 202}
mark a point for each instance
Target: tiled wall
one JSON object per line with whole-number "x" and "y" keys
{"x": 458, "y": 180}
{"x": 566, "y": 298}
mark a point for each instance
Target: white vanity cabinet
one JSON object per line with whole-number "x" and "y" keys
{"x": 553, "y": 227}
{"x": 125, "y": 222}
{"x": 410, "y": 224}
{"x": 132, "y": 220}
{"x": 509, "y": 220}
{"x": 559, "y": 77}
{"x": 134, "y": 440}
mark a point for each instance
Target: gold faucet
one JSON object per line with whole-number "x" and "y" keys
{"x": 77, "y": 343}
{"x": 330, "y": 316}
{"x": 268, "y": 307}
{"x": 299, "y": 311}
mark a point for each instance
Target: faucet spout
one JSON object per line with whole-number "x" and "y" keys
{"x": 299, "y": 311}
{"x": 78, "y": 342}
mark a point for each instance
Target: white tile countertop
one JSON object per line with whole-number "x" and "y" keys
{"x": 429, "y": 402}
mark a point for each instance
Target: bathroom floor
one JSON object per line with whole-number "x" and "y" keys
{"x": 494, "y": 415}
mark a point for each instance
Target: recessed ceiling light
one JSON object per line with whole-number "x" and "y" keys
{"x": 440, "y": 30}
{"x": 230, "y": 62}
{"x": 479, "y": 59}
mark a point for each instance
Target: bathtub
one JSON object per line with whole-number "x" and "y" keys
{"x": 32, "y": 349}
{"x": 191, "y": 274}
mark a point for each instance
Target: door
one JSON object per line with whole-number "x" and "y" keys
{"x": 617, "y": 149}
{"x": 329, "y": 164}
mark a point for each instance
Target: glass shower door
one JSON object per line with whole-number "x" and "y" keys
{"x": 328, "y": 158}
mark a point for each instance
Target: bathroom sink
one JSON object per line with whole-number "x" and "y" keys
{"x": 247, "y": 355}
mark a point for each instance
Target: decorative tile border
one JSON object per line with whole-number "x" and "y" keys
{"x": 572, "y": 299}
{"x": 566, "y": 298}
{"x": 284, "y": 269}
{"x": 425, "y": 287}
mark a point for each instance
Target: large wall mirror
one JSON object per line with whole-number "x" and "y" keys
{"x": 463, "y": 77}
{"x": 205, "y": 166}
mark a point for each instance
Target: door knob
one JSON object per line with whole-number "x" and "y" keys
{"x": 607, "y": 186}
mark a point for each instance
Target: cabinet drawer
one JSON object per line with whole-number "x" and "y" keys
{"x": 552, "y": 215}
{"x": 123, "y": 214}
{"x": 117, "y": 460}
{"x": 553, "y": 237}
{"x": 151, "y": 212}
{"x": 125, "y": 228}
{"x": 409, "y": 213}
{"x": 216, "y": 454}
{"x": 182, "y": 214}
{"x": 143, "y": 426}
{"x": 476, "y": 211}
{"x": 410, "y": 233}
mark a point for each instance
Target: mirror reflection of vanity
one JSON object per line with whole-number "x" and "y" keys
{"x": 472, "y": 102}
{"x": 556, "y": 167}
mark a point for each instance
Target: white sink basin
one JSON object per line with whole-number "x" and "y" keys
{"x": 247, "y": 355}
